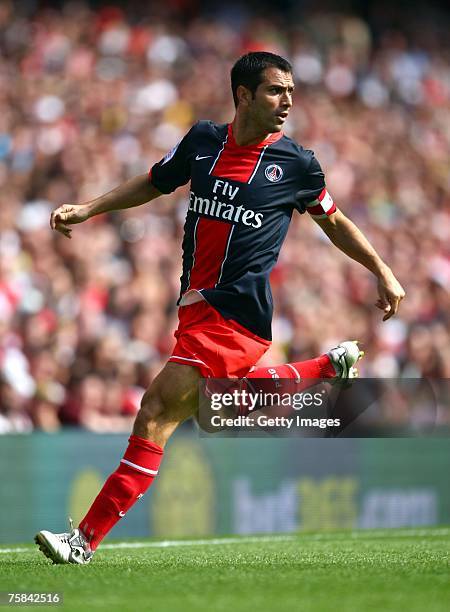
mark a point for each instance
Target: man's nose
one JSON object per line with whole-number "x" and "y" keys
{"x": 286, "y": 100}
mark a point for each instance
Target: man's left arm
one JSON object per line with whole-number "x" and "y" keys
{"x": 344, "y": 234}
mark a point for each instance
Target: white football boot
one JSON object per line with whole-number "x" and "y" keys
{"x": 69, "y": 547}
{"x": 343, "y": 357}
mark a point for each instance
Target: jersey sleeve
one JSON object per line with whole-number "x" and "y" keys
{"x": 313, "y": 195}
{"x": 174, "y": 169}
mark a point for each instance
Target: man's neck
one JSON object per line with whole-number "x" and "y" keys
{"x": 245, "y": 134}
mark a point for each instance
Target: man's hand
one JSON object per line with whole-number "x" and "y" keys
{"x": 68, "y": 214}
{"x": 134, "y": 192}
{"x": 390, "y": 294}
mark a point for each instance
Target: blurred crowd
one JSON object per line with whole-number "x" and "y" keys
{"x": 91, "y": 97}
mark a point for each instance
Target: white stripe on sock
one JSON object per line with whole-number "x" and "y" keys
{"x": 139, "y": 467}
{"x": 298, "y": 379}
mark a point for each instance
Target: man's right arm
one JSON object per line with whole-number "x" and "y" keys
{"x": 134, "y": 192}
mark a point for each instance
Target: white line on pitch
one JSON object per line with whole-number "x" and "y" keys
{"x": 382, "y": 533}
{"x": 280, "y": 538}
{"x": 171, "y": 543}
{"x": 168, "y": 543}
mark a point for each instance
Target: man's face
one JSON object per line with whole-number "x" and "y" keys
{"x": 272, "y": 101}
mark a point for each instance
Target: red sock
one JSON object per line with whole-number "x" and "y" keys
{"x": 320, "y": 367}
{"x": 123, "y": 488}
{"x": 294, "y": 377}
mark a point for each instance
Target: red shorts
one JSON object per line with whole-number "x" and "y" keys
{"x": 220, "y": 348}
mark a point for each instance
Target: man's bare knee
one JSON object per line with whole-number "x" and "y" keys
{"x": 170, "y": 400}
{"x": 152, "y": 404}
{"x": 153, "y": 410}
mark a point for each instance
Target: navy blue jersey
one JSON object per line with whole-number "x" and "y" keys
{"x": 240, "y": 205}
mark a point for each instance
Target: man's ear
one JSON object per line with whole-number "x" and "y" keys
{"x": 244, "y": 95}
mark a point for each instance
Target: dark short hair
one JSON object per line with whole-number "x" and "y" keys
{"x": 248, "y": 70}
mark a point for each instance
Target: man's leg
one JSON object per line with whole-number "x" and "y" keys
{"x": 170, "y": 400}
{"x": 319, "y": 367}
{"x": 338, "y": 363}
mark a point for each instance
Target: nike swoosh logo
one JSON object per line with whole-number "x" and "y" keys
{"x": 198, "y": 158}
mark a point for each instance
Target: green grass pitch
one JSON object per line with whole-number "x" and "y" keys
{"x": 383, "y": 570}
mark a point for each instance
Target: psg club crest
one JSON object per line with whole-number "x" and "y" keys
{"x": 273, "y": 173}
